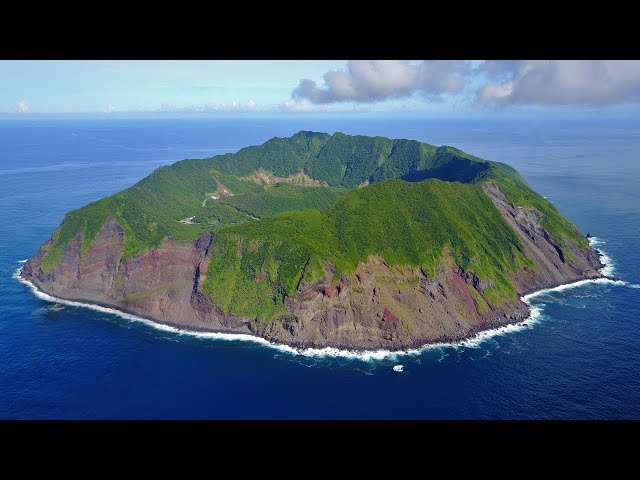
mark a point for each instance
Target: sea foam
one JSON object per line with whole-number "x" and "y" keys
{"x": 569, "y": 286}
{"x": 609, "y": 267}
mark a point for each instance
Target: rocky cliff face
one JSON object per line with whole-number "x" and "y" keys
{"x": 553, "y": 267}
{"x": 161, "y": 285}
{"x": 381, "y": 306}
{"x": 378, "y": 306}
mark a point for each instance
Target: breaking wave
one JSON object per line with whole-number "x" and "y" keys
{"x": 609, "y": 267}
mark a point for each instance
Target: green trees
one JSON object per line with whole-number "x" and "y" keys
{"x": 406, "y": 223}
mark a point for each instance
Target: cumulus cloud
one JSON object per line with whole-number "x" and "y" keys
{"x": 23, "y": 107}
{"x": 560, "y": 82}
{"x": 375, "y": 80}
{"x": 483, "y": 83}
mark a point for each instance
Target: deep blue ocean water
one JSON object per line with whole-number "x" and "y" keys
{"x": 581, "y": 359}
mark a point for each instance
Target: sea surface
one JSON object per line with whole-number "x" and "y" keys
{"x": 577, "y": 357}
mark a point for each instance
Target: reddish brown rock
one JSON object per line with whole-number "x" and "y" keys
{"x": 387, "y": 316}
{"x": 330, "y": 290}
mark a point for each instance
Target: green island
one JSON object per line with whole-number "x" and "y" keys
{"x": 308, "y": 211}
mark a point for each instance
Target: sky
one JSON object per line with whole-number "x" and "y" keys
{"x": 229, "y": 87}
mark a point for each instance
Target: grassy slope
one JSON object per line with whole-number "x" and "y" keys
{"x": 151, "y": 209}
{"x": 347, "y": 161}
{"x": 254, "y": 266}
{"x": 261, "y": 201}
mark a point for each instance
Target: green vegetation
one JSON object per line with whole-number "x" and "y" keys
{"x": 406, "y": 223}
{"x": 152, "y": 209}
{"x": 261, "y": 201}
{"x": 253, "y": 275}
{"x": 481, "y": 304}
{"x": 423, "y": 201}
{"x": 347, "y": 161}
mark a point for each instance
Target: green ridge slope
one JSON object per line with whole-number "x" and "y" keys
{"x": 406, "y": 223}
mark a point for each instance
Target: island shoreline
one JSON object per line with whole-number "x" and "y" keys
{"x": 474, "y": 338}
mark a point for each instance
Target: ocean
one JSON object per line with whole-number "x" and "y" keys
{"x": 578, "y": 356}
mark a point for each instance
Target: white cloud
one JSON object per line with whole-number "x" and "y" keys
{"x": 495, "y": 83}
{"x": 298, "y": 105}
{"x": 232, "y": 106}
{"x": 109, "y": 109}
{"x": 23, "y": 107}
{"x": 560, "y": 82}
{"x": 375, "y": 80}
{"x": 304, "y": 105}
{"x": 496, "y": 92}
{"x": 171, "y": 107}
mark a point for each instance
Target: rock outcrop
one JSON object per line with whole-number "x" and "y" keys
{"x": 551, "y": 265}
